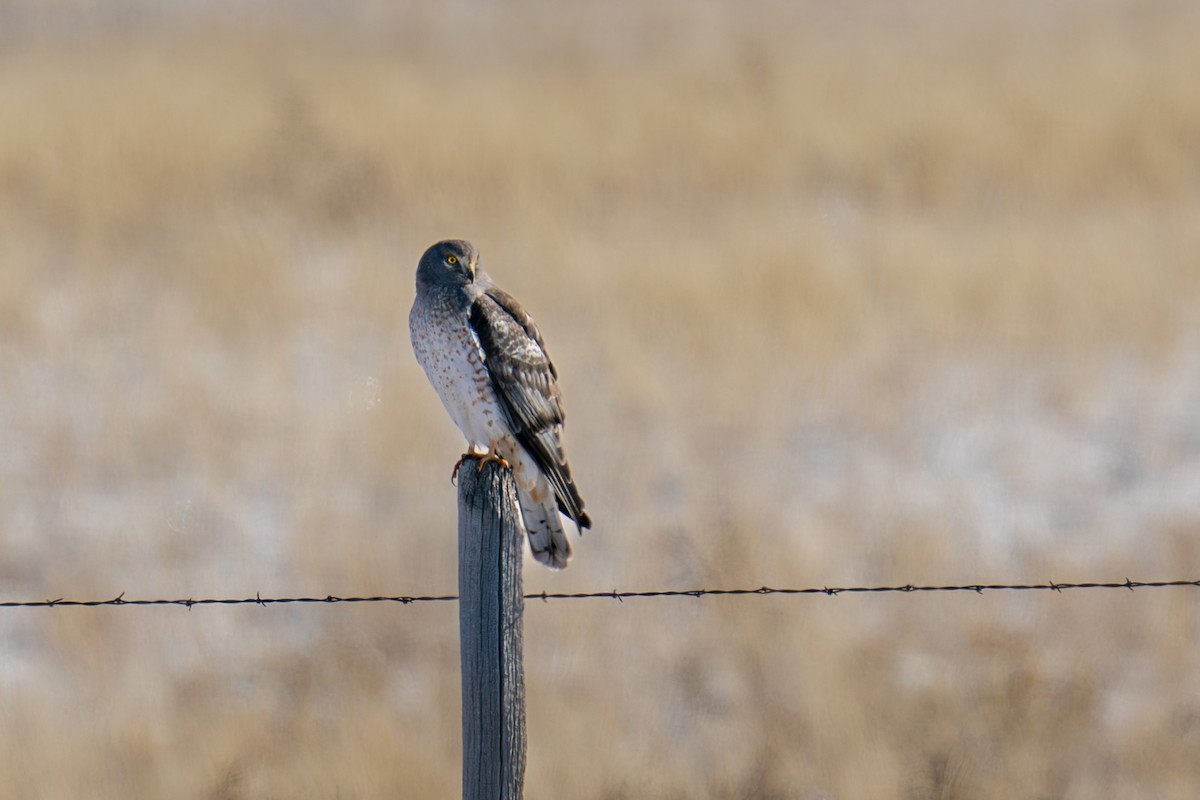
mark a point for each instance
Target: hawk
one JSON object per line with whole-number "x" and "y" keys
{"x": 485, "y": 358}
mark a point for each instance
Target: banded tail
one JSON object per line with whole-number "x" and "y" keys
{"x": 547, "y": 539}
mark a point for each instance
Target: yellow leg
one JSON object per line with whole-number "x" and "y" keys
{"x": 491, "y": 455}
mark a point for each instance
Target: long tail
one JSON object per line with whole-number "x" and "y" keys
{"x": 547, "y": 539}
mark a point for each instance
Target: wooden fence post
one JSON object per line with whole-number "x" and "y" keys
{"x": 490, "y": 606}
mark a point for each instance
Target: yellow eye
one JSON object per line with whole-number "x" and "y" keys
{"x": 452, "y": 260}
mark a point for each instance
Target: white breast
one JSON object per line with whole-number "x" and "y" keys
{"x": 452, "y": 358}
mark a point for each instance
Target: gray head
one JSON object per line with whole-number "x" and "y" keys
{"x": 449, "y": 263}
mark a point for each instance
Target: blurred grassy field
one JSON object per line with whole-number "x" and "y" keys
{"x": 836, "y": 295}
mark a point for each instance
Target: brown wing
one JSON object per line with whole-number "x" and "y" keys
{"x": 525, "y": 381}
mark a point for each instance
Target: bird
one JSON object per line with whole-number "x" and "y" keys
{"x": 485, "y": 358}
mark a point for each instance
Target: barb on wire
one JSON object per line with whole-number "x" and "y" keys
{"x": 831, "y": 591}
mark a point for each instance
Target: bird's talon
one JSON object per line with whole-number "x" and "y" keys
{"x": 480, "y": 460}
{"x": 457, "y": 466}
{"x": 490, "y": 455}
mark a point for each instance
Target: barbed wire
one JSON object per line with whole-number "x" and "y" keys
{"x": 829, "y": 591}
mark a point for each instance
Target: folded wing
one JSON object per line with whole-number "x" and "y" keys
{"x": 526, "y": 383}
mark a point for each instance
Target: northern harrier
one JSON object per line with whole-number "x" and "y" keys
{"x": 485, "y": 358}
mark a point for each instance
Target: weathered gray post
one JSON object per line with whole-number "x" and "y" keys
{"x": 490, "y": 605}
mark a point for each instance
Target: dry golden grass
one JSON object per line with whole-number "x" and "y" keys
{"x": 836, "y": 296}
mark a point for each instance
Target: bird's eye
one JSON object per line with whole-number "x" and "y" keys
{"x": 452, "y": 260}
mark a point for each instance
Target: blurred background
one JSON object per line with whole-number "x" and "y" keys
{"x": 838, "y": 293}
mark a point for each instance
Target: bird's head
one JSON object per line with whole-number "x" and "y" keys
{"x": 452, "y": 262}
